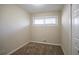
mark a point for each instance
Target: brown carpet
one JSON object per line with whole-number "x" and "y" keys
{"x": 39, "y": 49}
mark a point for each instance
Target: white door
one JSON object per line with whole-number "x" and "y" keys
{"x": 75, "y": 29}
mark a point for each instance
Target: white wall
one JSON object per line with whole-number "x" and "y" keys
{"x": 66, "y": 29}
{"x": 14, "y": 27}
{"x": 46, "y": 34}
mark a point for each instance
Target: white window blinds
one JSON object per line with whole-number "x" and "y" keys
{"x": 45, "y": 20}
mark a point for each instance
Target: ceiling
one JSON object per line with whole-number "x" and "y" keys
{"x": 36, "y": 8}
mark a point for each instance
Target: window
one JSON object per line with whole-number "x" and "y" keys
{"x": 45, "y": 20}
{"x": 38, "y": 21}
{"x": 50, "y": 21}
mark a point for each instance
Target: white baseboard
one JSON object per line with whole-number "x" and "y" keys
{"x": 17, "y": 48}
{"x": 62, "y": 49}
{"x": 47, "y": 43}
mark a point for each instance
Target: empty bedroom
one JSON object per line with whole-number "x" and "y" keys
{"x": 39, "y": 29}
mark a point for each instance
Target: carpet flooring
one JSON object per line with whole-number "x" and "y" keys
{"x": 33, "y": 48}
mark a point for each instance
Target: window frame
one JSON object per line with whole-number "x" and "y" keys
{"x": 33, "y": 18}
